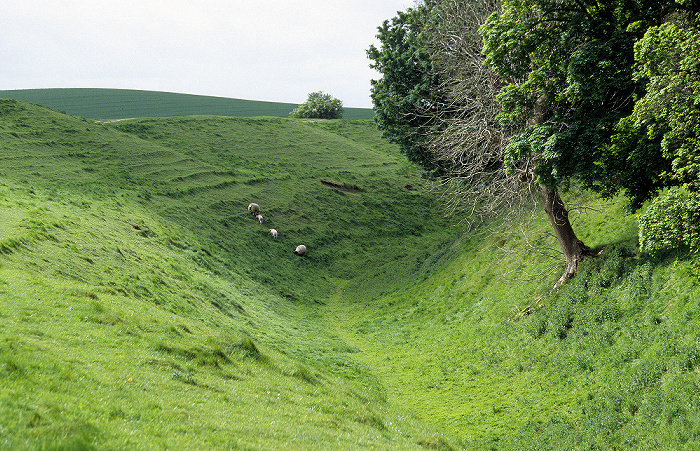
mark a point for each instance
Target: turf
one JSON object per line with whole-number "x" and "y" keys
{"x": 142, "y": 307}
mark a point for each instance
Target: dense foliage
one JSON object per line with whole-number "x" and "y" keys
{"x": 619, "y": 89}
{"x": 672, "y": 221}
{"x": 669, "y": 61}
{"x": 409, "y": 87}
{"x": 319, "y": 105}
{"x": 604, "y": 95}
{"x": 576, "y": 62}
{"x": 667, "y": 117}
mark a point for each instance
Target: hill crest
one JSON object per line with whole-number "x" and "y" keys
{"x": 107, "y": 104}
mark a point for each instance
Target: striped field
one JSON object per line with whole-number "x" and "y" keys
{"x": 109, "y": 104}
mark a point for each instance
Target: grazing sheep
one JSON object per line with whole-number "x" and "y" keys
{"x": 254, "y": 209}
{"x": 273, "y": 232}
{"x": 259, "y": 218}
{"x": 300, "y": 250}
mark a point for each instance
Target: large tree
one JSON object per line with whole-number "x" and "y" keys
{"x": 568, "y": 69}
{"x": 562, "y": 79}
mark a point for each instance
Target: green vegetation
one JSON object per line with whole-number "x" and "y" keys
{"x": 671, "y": 222}
{"x": 319, "y": 105}
{"x": 109, "y": 104}
{"x": 409, "y": 84}
{"x": 505, "y": 99}
{"x": 498, "y": 362}
{"x": 141, "y": 307}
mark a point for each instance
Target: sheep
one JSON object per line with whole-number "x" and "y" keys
{"x": 300, "y": 250}
{"x": 259, "y": 218}
{"x": 273, "y": 232}
{"x": 254, "y": 209}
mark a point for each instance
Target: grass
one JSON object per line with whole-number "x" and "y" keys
{"x": 608, "y": 362}
{"x": 110, "y": 104}
{"x": 141, "y": 307}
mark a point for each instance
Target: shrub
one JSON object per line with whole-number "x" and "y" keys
{"x": 671, "y": 222}
{"x": 319, "y": 106}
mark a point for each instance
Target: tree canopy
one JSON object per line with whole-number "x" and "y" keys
{"x": 602, "y": 94}
{"x": 669, "y": 111}
{"x": 576, "y": 61}
{"x": 409, "y": 85}
{"x": 319, "y": 105}
{"x": 669, "y": 114}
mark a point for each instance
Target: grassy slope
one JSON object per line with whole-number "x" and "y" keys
{"x": 611, "y": 361}
{"x": 142, "y": 307}
{"x": 200, "y": 324}
{"x": 107, "y": 104}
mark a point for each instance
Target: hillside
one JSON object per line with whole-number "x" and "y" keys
{"x": 141, "y": 307}
{"x": 110, "y": 104}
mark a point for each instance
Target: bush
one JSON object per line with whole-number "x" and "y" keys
{"x": 671, "y": 222}
{"x": 319, "y": 106}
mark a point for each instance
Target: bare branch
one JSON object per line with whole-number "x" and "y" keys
{"x": 466, "y": 136}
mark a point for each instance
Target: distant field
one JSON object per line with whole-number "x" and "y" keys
{"x": 96, "y": 103}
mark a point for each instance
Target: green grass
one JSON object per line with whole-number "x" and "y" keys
{"x": 141, "y": 307}
{"x": 608, "y": 362}
{"x": 110, "y": 104}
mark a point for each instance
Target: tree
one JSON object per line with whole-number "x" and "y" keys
{"x": 452, "y": 119}
{"x": 568, "y": 74}
{"x": 669, "y": 115}
{"x": 409, "y": 85}
{"x": 559, "y": 88}
{"x": 669, "y": 111}
{"x": 319, "y": 106}
{"x": 465, "y": 138}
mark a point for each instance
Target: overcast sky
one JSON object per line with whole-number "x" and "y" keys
{"x": 276, "y": 50}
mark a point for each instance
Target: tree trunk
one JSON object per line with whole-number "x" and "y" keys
{"x": 574, "y": 250}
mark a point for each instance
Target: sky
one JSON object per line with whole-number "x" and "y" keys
{"x": 274, "y": 50}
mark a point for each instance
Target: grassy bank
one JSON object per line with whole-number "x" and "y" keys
{"x": 142, "y": 307}
{"x": 490, "y": 356}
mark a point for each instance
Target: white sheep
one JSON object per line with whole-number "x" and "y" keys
{"x": 259, "y": 218}
{"x": 273, "y": 232}
{"x": 300, "y": 250}
{"x": 254, "y": 209}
